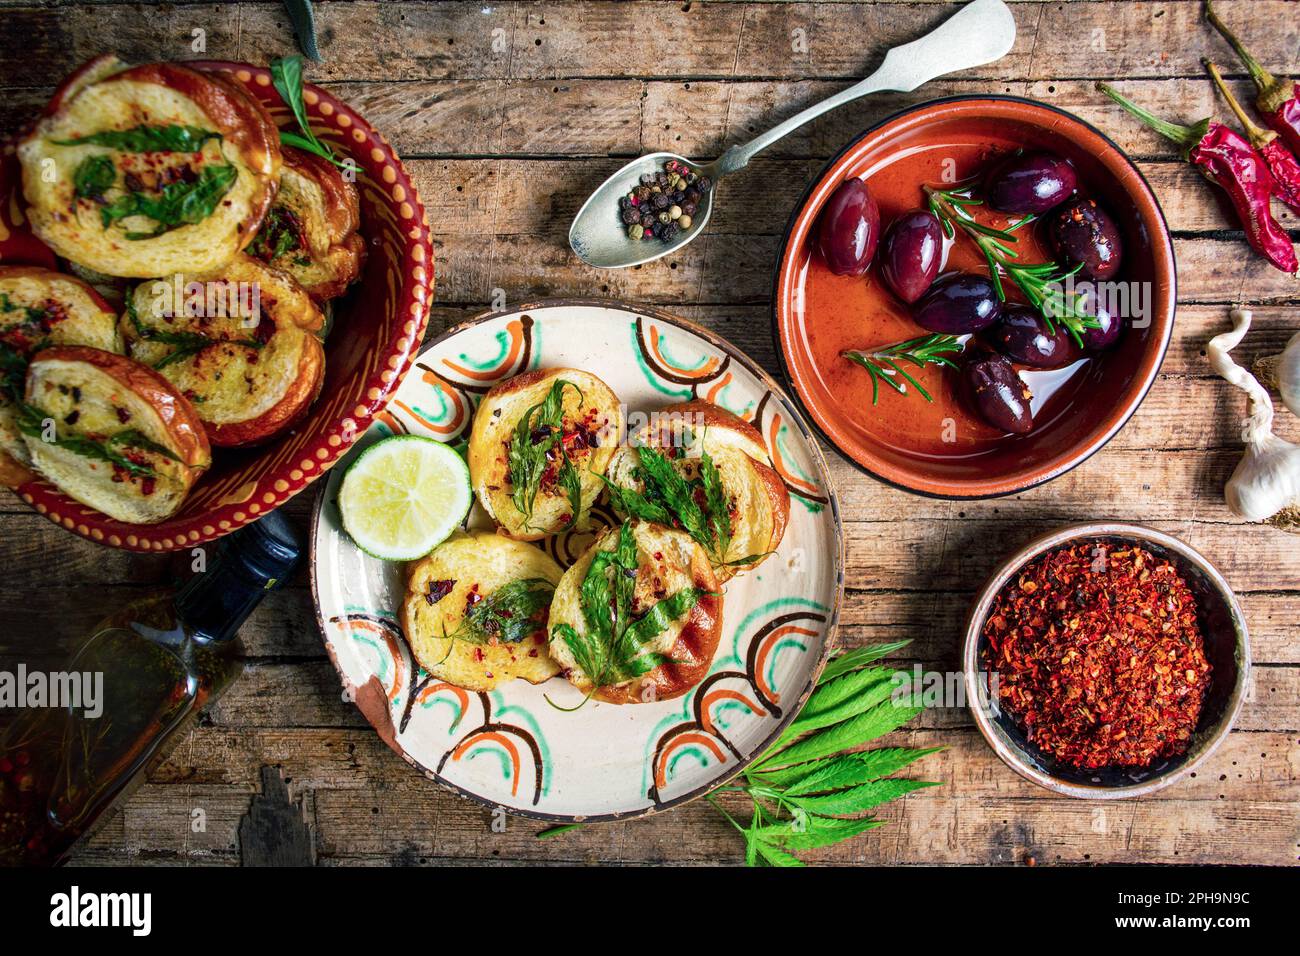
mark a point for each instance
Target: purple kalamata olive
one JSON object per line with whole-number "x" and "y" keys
{"x": 958, "y": 304}
{"x": 1030, "y": 183}
{"x": 1084, "y": 235}
{"x": 997, "y": 393}
{"x": 1022, "y": 335}
{"x": 1106, "y": 335}
{"x": 911, "y": 254}
{"x": 849, "y": 229}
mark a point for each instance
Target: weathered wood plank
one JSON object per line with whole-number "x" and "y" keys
{"x": 923, "y": 553}
{"x": 368, "y": 804}
{"x": 580, "y": 38}
{"x": 738, "y": 269}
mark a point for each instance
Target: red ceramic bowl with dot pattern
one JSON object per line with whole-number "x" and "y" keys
{"x": 378, "y": 326}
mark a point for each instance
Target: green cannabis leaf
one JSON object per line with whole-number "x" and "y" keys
{"x": 813, "y": 787}
{"x": 614, "y": 646}
{"x": 538, "y": 434}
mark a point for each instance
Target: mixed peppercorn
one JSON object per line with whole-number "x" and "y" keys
{"x": 665, "y": 203}
{"x": 1099, "y": 656}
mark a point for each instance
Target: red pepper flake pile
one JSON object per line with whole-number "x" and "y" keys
{"x": 1099, "y": 656}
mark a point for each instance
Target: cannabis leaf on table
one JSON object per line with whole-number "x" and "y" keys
{"x": 813, "y": 787}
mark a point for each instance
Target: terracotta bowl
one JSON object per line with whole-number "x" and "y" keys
{"x": 1227, "y": 646}
{"x": 377, "y": 330}
{"x": 940, "y": 448}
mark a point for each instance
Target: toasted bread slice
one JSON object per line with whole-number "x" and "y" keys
{"x": 310, "y": 231}
{"x": 112, "y": 433}
{"x": 667, "y": 562}
{"x": 39, "y": 308}
{"x": 757, "y": 501}
{"x": 149, "y": 205}
{"x": 591, "y": 429}
{"x": 240, "y": 343}
{"x": 465, "y": 572}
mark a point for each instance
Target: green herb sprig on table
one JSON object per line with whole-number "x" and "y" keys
{"x": 286, "y": 77}
{"x": 539, "y": 431}
{"x": 615, "y": 646}
{"x": 883, "y": 363}
{"x": 1040, "y": 283}
{"x": 510, "y": 613}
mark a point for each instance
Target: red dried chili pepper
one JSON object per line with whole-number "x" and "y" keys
{"x": 1228, "y": 161}
{"x": 1279, "y": 98}
{"x": 1281, "y": 162}
{"x": 1100, "y": 656}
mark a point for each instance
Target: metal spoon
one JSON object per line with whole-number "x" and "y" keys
{"x": 980, "y": 32}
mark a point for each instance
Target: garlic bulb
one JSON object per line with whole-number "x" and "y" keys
{"x": 1266, "y": 483}
{"x": 1282, "y": 372}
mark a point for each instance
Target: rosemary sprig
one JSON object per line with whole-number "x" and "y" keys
{"x": 1040, "y": 282}
{"x": 883, "y": 363}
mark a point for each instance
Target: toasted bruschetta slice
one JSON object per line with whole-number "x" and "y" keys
{"x": 475, "y": 610}
{"x": 699, "y": 468}
{"x": 638, "y": 617}
{"x": 239, "y": 343}
{"x": 310, "y": 231}
{"x": 156, "y": 169}
{"x": 40, "y": 308}
{"x": 540, "y": 443}
{"x": 111, "y": 433}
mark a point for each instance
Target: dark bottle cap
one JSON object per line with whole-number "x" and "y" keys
{"x": 256, "y": 559}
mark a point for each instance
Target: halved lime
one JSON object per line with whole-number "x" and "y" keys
{"x": 403, "y": 496}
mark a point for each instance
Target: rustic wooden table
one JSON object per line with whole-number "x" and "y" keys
{"x": 507, "y": 113}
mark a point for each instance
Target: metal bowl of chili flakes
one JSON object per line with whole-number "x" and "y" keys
{"x": 1105, "y": 660}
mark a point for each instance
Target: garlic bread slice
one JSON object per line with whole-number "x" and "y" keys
{"x": 475, "y": 610}
{"x": 540, "y": 443}
{"x": 693, "y": 466}
{"x": 638, "y": 617}
{"x": 111, "y": 433}
{"x": 40, "y": 308}
{"x": 240, "y": 343}
{"x": 310, "y": 231}
{"x": 157, "y": 169}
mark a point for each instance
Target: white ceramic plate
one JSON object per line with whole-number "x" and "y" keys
{"x": 509, "y": 747}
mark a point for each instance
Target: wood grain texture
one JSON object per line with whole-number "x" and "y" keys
{"x": 506, "y": 114}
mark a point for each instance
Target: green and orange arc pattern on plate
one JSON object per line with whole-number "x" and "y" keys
{"x": 510, "y": 747}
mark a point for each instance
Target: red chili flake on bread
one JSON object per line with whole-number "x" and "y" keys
{"x": 1099, "y": 656}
